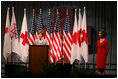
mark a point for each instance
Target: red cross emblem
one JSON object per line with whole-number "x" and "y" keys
{"x": 84, "y": 37}
{"x": 25, "y": 39}
{"x": 78, "y": 37}
{"x": 14, "y": 31}
{"x": 6, "y": 30}
{"x": 74, "y": 38}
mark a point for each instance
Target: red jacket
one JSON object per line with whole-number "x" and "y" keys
{"x": 102, "y": 52}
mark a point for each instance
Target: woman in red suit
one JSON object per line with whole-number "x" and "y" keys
{"x": 103, "y": 48}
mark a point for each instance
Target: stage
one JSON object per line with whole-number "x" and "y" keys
{"x": 52, "y": 71}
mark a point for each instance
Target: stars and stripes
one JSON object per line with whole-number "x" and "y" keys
{"x": 49, "y": 37}
{"x": 57, "y": 41}
{"x": 32, "y": 33}
{"x": 67, "y": 38}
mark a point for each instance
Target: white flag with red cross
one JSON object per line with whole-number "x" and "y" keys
{"x": 7, "y": 38}
{"x": 79, "y": 36}
{"x": 84, "y": 42}
{"x": 14, "y": 34}
{"x": 74, "y": 40}
{"x": 24, "y": 44}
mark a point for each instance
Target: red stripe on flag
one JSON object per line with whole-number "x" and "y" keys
{"x": 57, "y": 45}
{"x": 55, "y": 53}
{"x": 49, "y": 41}
{"x": 30, "y": 38}
{"x": 51, "y": 57}
{"x": 67, "y": 50}
{"x": 67, "y": 42}
{"x": 59, "y": 40}
{"x": 68, "y": 35}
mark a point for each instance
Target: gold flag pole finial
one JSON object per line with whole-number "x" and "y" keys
{"x": 84, "y": 7}
{"x": 40, "y": 11}
{"x": 57, "y": 12}
{"x": 67, "y": 12}
{"x": 79, "y": 9}
{"x": 8, "y": 8}
{"x": 75, "y": 10}
{"x": 49, "y": 11}
{"x": 33, "y": 12}
{"x": 6, "y": 61}
{"x": 12, "y": 8}
{"x": 24, "y": 10}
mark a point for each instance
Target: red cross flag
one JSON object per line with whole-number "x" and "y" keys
{"x": 14, "y": 34}
{"x": 84, "y": 44}
{"x": 79, "y": 36}
{"x": 7, "y": 38}
{"x": 74, "y": 40}
{"x": 24, "y": 44}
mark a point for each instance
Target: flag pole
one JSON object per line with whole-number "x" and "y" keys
{"x": 72, "y": 67}
{"x": 79, "y": 65}
{"x": 6, "y": 61}
{"x": 63, "y": 60}
{"x": 85, "y": 66}
{"x": 13, "y": 59}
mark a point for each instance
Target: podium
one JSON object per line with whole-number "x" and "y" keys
{"x": 38, "y": 57}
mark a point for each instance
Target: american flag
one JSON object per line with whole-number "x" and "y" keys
{"x": 49, "y": 37}
{"x": 32, "y": 33}
{"x": 39, "y": 25}
{"x": 57, "y": 41}
{"x": 67, "y": 38}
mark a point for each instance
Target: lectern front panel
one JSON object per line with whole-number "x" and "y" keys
{"x": 38, "y": 58}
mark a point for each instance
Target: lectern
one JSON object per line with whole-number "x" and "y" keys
{"x": 38, "y": 57}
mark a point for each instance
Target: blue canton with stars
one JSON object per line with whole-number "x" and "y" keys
{"x": 33, "y": 25}
{"x": 67, "y": 25}
{"x": 40, "y": 23}
{"x": 49, "y": 26}
{"x": 57, "y": 24}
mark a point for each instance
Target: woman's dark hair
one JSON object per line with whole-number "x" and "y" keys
{"x": 40, "y": 31}
{"x": 103, "y": 32}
